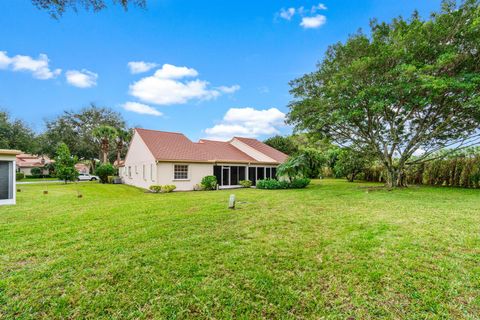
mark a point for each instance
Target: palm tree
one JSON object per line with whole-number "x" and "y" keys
{"x": 122, "y": 140}
{"x": 104, "y": 135}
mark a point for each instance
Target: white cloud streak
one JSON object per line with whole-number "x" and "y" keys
{"x": 247, "y": 122}
{"x": 309, "y": 17}
{"x": 140, "y": 66}
{"x": 313, "y": 22}
{"x": 167, "y": 86}
{"x": 81, "y": 78}
{"x": 141, "y": 108}
{"x": 39, "y": 67}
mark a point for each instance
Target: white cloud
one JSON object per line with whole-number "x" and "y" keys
{"x": 309, "y": 18}
{"x": 167, "y": 86}
{"x": 287, "y": 14}
{"x": 231, "y": 89}
{"x": 247, "y": 122}
{"x": 38, "y": 67}
{"x": 4, "y": 60}
{"x": 141, "y": 108}
{"x": 319, "y": 6}
{"x": 313, "y": 22}
{"x": 169, "y": 71}
{"x": 81, "y": 79}
{"x": 141, "y": 66}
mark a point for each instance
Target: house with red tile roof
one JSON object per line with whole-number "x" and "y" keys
{"x": 160, "y": 158}
{"x": 26, "y": 162}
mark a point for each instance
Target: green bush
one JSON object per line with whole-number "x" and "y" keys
{"x": 155, "y": 188}
{"x": 168, "y": 188}
{"x": 103, "y": 171}
{"x": 209, "y": 183}
{"x": 36, "y": 172}
{"x": 273, "y": 184}
{"x": 164, "y": 189}
{"x": 246, "y": 183}
{"x": 299, "y": 183}
{"x": 268, "y": 184}
{"x": 19, "y": 176}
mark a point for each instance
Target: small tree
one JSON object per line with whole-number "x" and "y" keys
{"x": 121, "y": 142}
{"x": 292, "y": 168}
{"x": 350, "y": 163}
{"x": 283, "y": 144}
{"x": 104, "y": 135}
{"x": 65, "y": 164}
{"x": 104, "y": 171}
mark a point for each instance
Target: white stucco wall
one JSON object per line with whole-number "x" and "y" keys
{"x": 255, "y": 154}
{"x": 141, "y": 163}
{"x": 196, "y": 171}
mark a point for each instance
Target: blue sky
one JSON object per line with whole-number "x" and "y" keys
{"x": 215, "y": 68}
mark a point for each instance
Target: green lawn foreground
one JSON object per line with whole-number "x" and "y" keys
{"x": 333, "y": 250}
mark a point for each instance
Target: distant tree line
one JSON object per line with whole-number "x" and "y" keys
{"x": 90, "y": 134}
{"x": 311, "y": 158}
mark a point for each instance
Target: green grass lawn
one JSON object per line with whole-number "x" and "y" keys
{"x": 39, "y": 180}
{"x": 333, "y": 250}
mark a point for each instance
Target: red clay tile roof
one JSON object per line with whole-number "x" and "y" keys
{"x": 25, "y": 160}
{"x": 264, "y": 148}
{"x": 171, "y": 146}
{"x": 175, "y": 146}
{"x": 224, "y": 151}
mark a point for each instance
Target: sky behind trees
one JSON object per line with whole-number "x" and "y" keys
{"x": 209, "y": 70}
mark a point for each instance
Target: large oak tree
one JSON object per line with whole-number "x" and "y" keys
{"x": 404, "y": 92}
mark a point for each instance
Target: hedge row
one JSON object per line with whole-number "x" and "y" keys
{"x": 456, "y": 172}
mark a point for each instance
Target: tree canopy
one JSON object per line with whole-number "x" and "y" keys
{"x": 56, "y": 8}
{"x": 15, "y": 134}
{"x": 410, "y": 88}
{"x": 283, "y": 144}
{"x": 75, "y": 129}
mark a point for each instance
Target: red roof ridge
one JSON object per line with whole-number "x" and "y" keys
{"x": 161, "y": 131}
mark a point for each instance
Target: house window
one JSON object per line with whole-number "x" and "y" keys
{"x": 151, "y": 172}
{"x": 144, "y": 173}
{"x": 180, "y": 172}
{"x": 129, "y": 172}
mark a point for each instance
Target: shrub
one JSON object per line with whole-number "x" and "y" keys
{"x": 19, "y": 176}
{"x": 155, "y": 188}
{"x": 246, "y": 183}
{"x": 168, "y": 188}
{"x": 110, "y": 179}
{"x": 299, "y": 183}
{"x": 268, "y": 184}
{"x": 36, "y": 172}
{"x": 272, "y": 184}
{"x": 103, "y": 171}
{"x": 209, "y": 183}
{"x": 165, "y": 189}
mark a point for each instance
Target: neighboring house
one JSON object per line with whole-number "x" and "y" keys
{"x": 160, "y": 158}
{"x": 26, "y": 162}
{"x": 7, "y": 176}
{"x": 82, "y": 168}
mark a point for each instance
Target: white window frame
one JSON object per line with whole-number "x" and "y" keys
{"x": 181, "y": 179}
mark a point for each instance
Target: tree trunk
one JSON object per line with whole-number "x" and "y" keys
{"x": 395, "y": 177}
{"x": 118, "y": 157}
